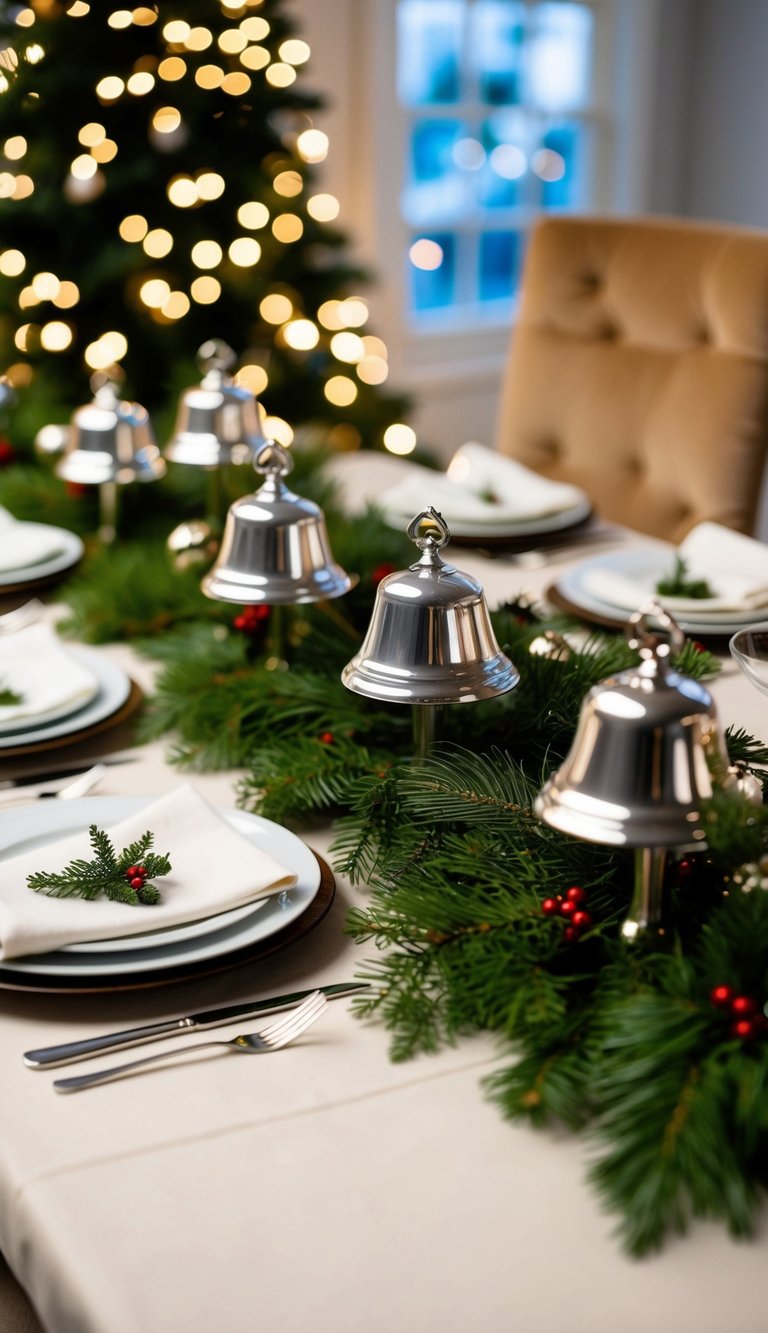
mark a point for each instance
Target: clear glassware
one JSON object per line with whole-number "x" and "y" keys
{"x": 749, "y": 649}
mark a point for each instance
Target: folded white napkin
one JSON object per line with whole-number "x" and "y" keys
{"x": 213, "y": 868}
{"x": 480, "y": 486}
{"x": 734, "y": 566}
{"x": 37, "y": 666}
{"x": 24, "y": 544}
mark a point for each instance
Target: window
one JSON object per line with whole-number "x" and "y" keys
{"x": 500, "y": 126}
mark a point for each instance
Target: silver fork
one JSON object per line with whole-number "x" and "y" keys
{"x": 69, "y": 791}
{"x": 271, "y": 1038}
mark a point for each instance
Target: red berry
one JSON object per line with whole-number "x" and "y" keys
{"x": 581, "y": 920}
{"x": 742, "y": 1006}
{"x": 721, "y": 996}
{"x": 570, "y": 934}
{"x": 327, "y": 737}
{"x": 550, "y": 907}
{"x": 137, "y": 883}
{"x": 239, "y": 622}
{"x": 576, "y": 895}
{"x": 567, "y": 908}
{"x": 684, "y": 868}
{"x": 131, "y": 871}
{"x": 381, "y": 572}
{"x": 141, "y": 871}
{"x": 744, "y": 1029}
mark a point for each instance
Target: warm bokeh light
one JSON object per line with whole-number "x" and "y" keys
{"x": 7, "y": 184}
{"x": 426, "y": 254}
{"x": 15, "y": 147}
{"x": 301, "y": 334}
{"x": 182, "y": 192}
{"x": 205, "y": 290}
{"x": 372, "y": 370}
{"x": 115, "y": 344}
{"x": 12, "y": 263}
{"x": 67, "y": 296}
{"x": 280, "y": 75}
{"x": 34, "y": 53}
{"x": 277, "y": 429}
{"x": 104, "y": 152}
{"x": 340, "y": 390}
{"x": 158, "y": 243}
{"x": 78, "y": 9}
{"x": 287, "y": 227}
{"x": 141, "y": 83}
{"x": 347, "y": 347}
{"x": 83, "y": 167}
{"x": 177, "y": 30}
{"x": 134, "y": 227}
{"x": 25, "y": 335}
{"x": 199, "y": 39}
{"x": 92, "y": 134}
{"x": 253, "y": 215}
{"x": 256, "y": 57}
{"x": 232, "y": 40}
{"x": 235, "y": 84}
{"x": 399, "y": 438}
{"x": 110, "y": 88}
{"x": 509, "y": 161}
{"x": 120, "y": 18}
{"x": 323, "y": 207}
{"x": 166, "y": 119}
{"x": 207, "y": 254}
{"x": 210, "y": 185}
{"x": 288, "y": 183}
{"x": 144, "y": 17}
{"x": 155, "y": 292}
{"x": 276, "y": 308}
{"x": 56, "y": 336}
{"x": 23, "y": 187}
{"x": 209, "y": 76}
{"x": 255, "y": 28}
{"x": 244, "y": 251}
{"x": 375, "y": 346}
{"x": 293, "y": 51}
{"x": 27, "y": 298}
{"x": 328, "y": 314}
{"x": 46, "y": 286}
{"x": 312, "y": 145}
{"x": 176, "y": 306}
{"x": 548, "y": 165}
{"x": 171, "y": 69}
{"x": 25, "y": 18}
{"x": 252, "y": 377}
{"x": 353, "y": 312}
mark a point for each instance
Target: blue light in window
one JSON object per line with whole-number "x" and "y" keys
{"x": 499, "y": 264}
{"x": 429, "y": 51}
{"x": 435, "y": 287}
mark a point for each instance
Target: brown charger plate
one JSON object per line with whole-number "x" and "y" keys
{"x": 125, "y": 711}
{"x": 557, "y": 599}
{"x": 525, "y": 542}
{"x": 164, "y": 976}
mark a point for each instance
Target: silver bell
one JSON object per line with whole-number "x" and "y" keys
{"x": 644, "y": 754}
{"x": 218, "y": 421}
{"x": 110, "y": 441}
{"x": 275, "y": 547}
{"x": 430, "y": 640}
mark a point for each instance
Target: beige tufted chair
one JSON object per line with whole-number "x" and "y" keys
{"x": 639, "y": 369}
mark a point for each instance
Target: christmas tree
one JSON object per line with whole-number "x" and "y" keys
{"x": 157, "y": 190}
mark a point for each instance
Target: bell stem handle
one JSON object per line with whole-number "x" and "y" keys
{"x": 215, "y": 498}
{"x": 107, "y": 512}
{"x": 277, "y": 639}
{"x": 645, "y": 923}
{"x": 426, "y": 718}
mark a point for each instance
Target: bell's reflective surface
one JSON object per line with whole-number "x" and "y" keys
{"x": 218, "y": 421}
{"x": 430, "y": 640}
{"x": 110, "y": 441}
{"x": 275, "y": 546}
{"x": 646, "y": 752}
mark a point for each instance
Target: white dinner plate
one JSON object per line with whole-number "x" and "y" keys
{"x": 70, "y": 550}
{"x": 646, "y": 564}
{"x": 114, "y": 687}
{"x": 38, "y": 826}
{"x": 153, "y": 939}
{"x": 530, "y": 527}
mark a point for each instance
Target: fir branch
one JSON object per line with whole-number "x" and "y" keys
{"x": 8, "y": 696}
{"x": 106, "y": 875}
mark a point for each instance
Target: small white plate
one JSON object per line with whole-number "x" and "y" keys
{"x": 153, "y": 939}
{"x": 114, "y": 686}
{"x": 39, "y": 825}
{"x": 531, "y": 527}
{"x": 647, "y": 565}
{"x": 70, "y": 551}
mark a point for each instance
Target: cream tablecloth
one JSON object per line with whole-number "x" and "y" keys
{"x": 324, "y": 1188}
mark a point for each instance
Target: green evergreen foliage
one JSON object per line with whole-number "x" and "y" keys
{"x": 238, "y": 139}
{"x": 105, "y": 875}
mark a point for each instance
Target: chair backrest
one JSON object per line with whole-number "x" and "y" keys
{"x": 639, "y": 369}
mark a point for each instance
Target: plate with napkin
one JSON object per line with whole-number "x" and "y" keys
{"x": 114, "y": 692}
{"x": 484, "y": 494}
{"x": 32, "y": 551}
{"x": 48, "y": 680}
{"x": 244, "y": 877}
{"x": 733, "y": 567}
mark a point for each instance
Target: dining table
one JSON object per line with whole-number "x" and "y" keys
{"x": 328, "y": 1187}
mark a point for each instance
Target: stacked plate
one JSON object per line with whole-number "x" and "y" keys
{"x": 178, "y": 951}
{"x": 608, "y": 588}
{"x": 71, "y": 719}
{"x": 64, "y": 548}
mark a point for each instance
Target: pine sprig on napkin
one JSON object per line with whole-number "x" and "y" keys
{"x": 678, "y": 584}
{"x": 8, "y": 696}
{"x": 124, "y": 878}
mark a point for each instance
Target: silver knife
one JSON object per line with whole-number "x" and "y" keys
{"x": 58, "y": 775}
{"x": 66, "y": 1054}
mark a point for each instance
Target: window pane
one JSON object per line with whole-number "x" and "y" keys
{"x": 502, "y": 178}
{"x": 559, "y": 163}
{"x": 434, "y": 286}
{"x": 496, "y": 50}
{"x": 429, "y": 51}
{"x": 437, "y": 188}
{"x": 499, "y": 264}
{"x": 558, "y": 63}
